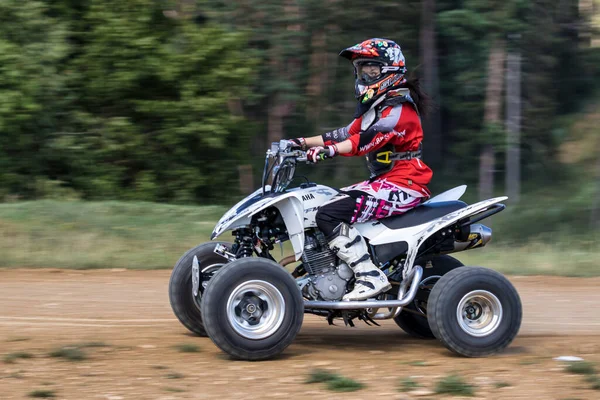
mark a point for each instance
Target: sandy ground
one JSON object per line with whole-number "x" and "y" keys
{"x": 41, "y": 310}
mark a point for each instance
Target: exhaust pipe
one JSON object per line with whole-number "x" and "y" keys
{"x": 414, "y": 278}
{"x": 479, "y": 235}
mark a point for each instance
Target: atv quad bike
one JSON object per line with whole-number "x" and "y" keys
{"x": 252, "y": 307}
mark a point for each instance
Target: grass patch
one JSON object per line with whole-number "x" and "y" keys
{"x": 454, "y": 385}
{"x": 334, "y": 382}
{"x": 15, "y": 375}
{"x": 320, "y": 375}
{"x": 342, "y": 384}
{"x": 92, "y": 344}
{"x": 529, "y": 362}
{"x": 562, "y": 257}
{"x": 18, "y": 339}
{"x": 408, "y": 384}
{"x": 581, "y": 368}
{"x": 187, "y": 348}
{"x": 42, "y": 394}
{"x": 500, "y": 385}
{"x": 174, "y": 390}
{"x": 84, "y": 235}
{"x": 594, "y": 380}
{"x": 417, "y": 363}
{"x": 69, "y": 353}
{"x": 12, "y": 357}
{"x": 174, "y": 375}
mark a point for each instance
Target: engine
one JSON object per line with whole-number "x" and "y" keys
{"x": 326, "y": 279}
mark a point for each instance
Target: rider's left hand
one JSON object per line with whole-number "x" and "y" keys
{"x": 299, "y": 143}
{"x": 319, "y": 153}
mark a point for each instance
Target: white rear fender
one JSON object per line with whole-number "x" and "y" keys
{"x": 449, "y": 195}
{"x": 415, "y": 235}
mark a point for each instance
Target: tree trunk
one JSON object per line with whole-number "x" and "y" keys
{"x": 286, "y": 69}
{"x": 513, "y": 119}
{"x": 432, "y": 124}
{"x": 274, "y": 120}
{"x": 318, "y": 76}
{"x": 595, "y": 216}
{"x": 493, "y": 107}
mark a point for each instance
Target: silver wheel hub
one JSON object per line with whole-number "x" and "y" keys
{"x": 255, "y": 309}
{"x": 479, "y": 313}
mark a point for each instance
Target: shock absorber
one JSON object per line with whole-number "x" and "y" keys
{"x": 243, "y": 238}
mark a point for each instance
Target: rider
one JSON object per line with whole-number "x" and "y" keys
{"x": 387, "y": 130}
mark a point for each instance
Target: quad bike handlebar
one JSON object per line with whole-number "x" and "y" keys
{"x": 280, "y": 165}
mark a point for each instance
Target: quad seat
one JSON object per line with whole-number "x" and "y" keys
{"x": 423, "y": 213}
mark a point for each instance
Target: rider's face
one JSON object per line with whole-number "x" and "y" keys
{"x": 368, "y": 72}
{"x": 371, "y": 70}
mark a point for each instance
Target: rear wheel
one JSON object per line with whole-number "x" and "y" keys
{"x": 252, "y": 309}
{"x": 413, "y": 318}
{"x": 185, "y": 305}
{"x": 474, "y": 311}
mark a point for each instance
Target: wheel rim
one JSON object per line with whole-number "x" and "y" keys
{"x": 479, "y": 313}
{"x": 255, "y": 309}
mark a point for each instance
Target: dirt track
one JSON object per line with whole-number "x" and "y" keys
{"x": 41, "y": 310}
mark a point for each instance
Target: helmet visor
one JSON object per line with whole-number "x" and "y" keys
{"x": 367, "y": 72}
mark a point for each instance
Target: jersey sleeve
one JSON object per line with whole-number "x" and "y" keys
{"x": 390, "y": 128}
{"x": 341, "y": 134}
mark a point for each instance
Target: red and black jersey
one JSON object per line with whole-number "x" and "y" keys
{"x": 397, "y": 127}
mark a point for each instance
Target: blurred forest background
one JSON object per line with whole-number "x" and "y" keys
{"x": 176, "y": 101}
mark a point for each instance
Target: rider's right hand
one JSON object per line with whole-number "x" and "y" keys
{"x": 319, "y": 153}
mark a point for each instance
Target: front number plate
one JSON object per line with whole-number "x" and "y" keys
{"x": 195, "y": 276}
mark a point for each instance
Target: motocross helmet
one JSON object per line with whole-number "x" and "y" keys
{"x": 378, "y": 67}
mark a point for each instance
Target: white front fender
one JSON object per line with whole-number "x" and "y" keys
{"x": 292, "y": 211}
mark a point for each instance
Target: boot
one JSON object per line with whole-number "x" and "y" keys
{"x": 352, "y": 249}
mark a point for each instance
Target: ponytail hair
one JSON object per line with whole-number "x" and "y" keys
{"x": 421, "y": 99}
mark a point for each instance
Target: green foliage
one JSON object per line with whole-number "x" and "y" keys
{"x": 42, "y": 394}
{"x": 69, "y": 353}
{"x": 342, "y": 384}
{"x": 187, "y": 348}
{"x": 408, "y": 384}
{"x": 11, "y": 357}
{"x": 320, "y": 376}
{"x": 581, "y": 367}
{"x": 121, "y": 100}
{"x": 454, "y": 385}
{"x": 333, "y": 381}
{"x": 32, "y": 46}
{"x": 105, "y": 99}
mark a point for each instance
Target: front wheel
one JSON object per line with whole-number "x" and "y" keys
{"x": 252, "y": 309}
{"x": 474, "y": 311}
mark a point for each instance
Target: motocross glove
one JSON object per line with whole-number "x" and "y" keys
{"x": 298, "y": 143}
{"x": 319, "y": 153}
